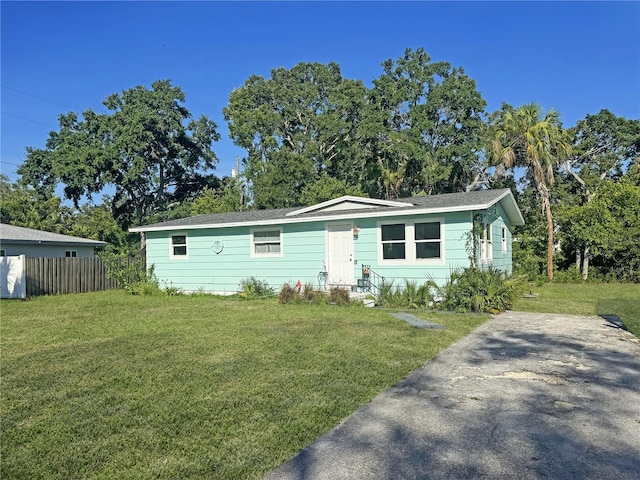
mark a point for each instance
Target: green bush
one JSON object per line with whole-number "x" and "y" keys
{"x": 389, "y": 296}
{"x": 411, "y": 296}
{"x": 478, "y": 290}
{"x": 145, "y": 287}
{"x": 251, "y": 287}
{"x": 131, "y": 275}
{"x": 571, "y": 275}
{"x": 170, "y": 291}
{"x": 414, "y": 296}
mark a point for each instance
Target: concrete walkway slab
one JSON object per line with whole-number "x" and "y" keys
{"x": 415, "y": 321}
{"x": 524, "y": 396}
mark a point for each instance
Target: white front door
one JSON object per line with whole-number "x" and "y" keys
{"x": 340, "y": 254}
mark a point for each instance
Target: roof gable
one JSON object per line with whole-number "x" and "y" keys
{"x": 347, "y": 202}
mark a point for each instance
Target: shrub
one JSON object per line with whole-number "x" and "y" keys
{"x": 568, "y": 276}
{"x": 411, "y": 296}
{"x": 478, "y": 290}
{"x": 287, "y": 294}
{"x": 311, "y": 295}
{"x": 387, "y": 295}
{"x": 145, "y": 287}
{"x": 170, "y": 291}
{"x": 339, "y": 296}
{"x": 308, "y": 294}
{"x": 414, "y": 296}
{"x": 131, "y": 275}
{"x": 251, "y": 287}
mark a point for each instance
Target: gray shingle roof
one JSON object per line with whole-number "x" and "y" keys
{"x": 13, "y": 234}
{"x": 434, "y": 203}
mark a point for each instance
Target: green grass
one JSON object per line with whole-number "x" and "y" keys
{"x": 621, "y": 299}
{"x": 107, "y": 385}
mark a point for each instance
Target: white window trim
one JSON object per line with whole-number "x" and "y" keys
{"x": 171, "y": 245}
{"x": 252, "y": 248}
{"x": 504, "y": 239}
{"x": 486, "y": 243}
{"x": 72, "y": 253}
{"x": 410, "y": 243}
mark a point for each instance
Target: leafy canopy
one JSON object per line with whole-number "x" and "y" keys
{"x": 294, "y": 126}
{"x": 426, "y": 128}
{"x": 148, "y": 147}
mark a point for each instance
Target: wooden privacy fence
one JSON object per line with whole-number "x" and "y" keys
{"x": 54, "y": 276}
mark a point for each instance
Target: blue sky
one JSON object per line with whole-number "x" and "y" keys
{"x": 575, "y": 57}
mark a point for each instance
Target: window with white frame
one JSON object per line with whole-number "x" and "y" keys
{"x": 179, "y": 246}
{"x": 486, "y": 244}
{"x": 504, "y": 239}
{"x": 427, "y": 238}
{"x": 411, "y": 242}
{"x": 70, "y": 253}
{"x": 266, "y": 243}
{"x": 393, "y": 241}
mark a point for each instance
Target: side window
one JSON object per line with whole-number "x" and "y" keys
{"x": 266, "y": 243}
{"x": 2, "y": 252}
{"x": 178, "y": 245}
{"x": 71, "y": 254}
{"x": 486, "y": 244}
{"x": 393, "y": 241}
{"x": 504, "y": 239}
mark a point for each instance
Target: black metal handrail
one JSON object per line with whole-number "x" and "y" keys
{"x": 371, "y": 279}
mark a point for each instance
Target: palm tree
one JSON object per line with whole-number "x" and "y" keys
{"x": 523, "y": 137}
{"x": 391, "y": 180}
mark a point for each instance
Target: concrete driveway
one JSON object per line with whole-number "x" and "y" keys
{"x": 525, "y": 396}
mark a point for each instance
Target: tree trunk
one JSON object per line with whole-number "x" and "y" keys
{"x": 585, "y": 264}
{"x": 578, "y": 260}
{"x": 546, "y": 202}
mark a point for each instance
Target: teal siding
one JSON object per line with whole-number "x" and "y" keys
{"x": 304, "y": 253}
{"x": 203, "y": 269}
{"x": 456, "y": 226}
{"x": 501, "y": 259}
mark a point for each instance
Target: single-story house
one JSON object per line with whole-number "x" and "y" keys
{"x": 16, "y": 241}
{"x": 348, "y": 241}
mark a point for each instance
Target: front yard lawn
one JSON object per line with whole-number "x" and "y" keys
{"x": 108, "y": 385}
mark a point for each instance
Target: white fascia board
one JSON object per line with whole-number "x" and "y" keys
{"x": 324, "y": 218}
{"x": 512, "y": 209}
{"x": 348, "y": 198}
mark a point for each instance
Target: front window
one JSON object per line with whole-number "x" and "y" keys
{"x": 178, "y": 245}
{"x": 393, "y": 241}
{"x": 267, "y": 243}
{"x": 70, "y": 254}
{"x": 411, "y": 242}
{"x": 427, "y": 237}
